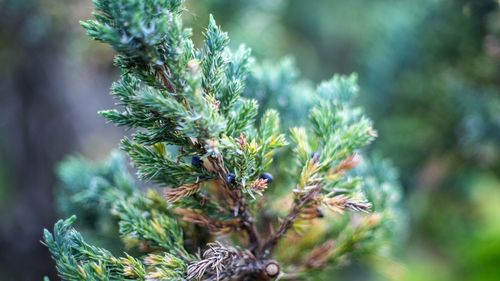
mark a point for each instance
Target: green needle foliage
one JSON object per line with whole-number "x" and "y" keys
{"x": 200, "y": 137}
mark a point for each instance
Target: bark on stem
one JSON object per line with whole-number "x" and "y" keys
{"x": 241, "y": 208}
{"x": 259, "y": 270}
{"x": 288, "y": 222}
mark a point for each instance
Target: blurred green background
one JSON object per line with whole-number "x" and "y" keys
{"x": 430, "y": 77}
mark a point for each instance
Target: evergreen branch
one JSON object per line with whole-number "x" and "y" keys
{"x": 214, "y": 63}
{"x": 210, "y": 150}
{"x": 339, "y": 135}
{"x": 150, "y": 226}
{"x": 236, "y": 74}
{"x": 152, "y": 165}
{"x": 77, "y": 260}
{"x": 242, "y": 117}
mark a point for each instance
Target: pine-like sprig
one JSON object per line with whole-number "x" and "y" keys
{"x": 211, "y": 150}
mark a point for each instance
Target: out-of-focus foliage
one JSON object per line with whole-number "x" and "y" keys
{"x": 84, "y": 192}
{"x": 33, "y": 35}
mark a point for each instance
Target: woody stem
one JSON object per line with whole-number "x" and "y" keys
{"x": 288, "y": 222}
{"x": 241, "y": 210}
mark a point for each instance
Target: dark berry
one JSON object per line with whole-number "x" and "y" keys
{"x": 320, "y": 213}
{"x": 267, "y": 176}
{"x": 230, "y": 178}
{"x": 196, "y": 161}
{"x": 315, "y": 156}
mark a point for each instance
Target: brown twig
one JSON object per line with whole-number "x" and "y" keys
{"x": 214, "y": 226}
{"x": 175, "y": 194}
{"x": 290, "y": 219}
{"x": 308, "y": 196}
{"x": 163, "y": 72}
{"x": 319, "y": 256}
